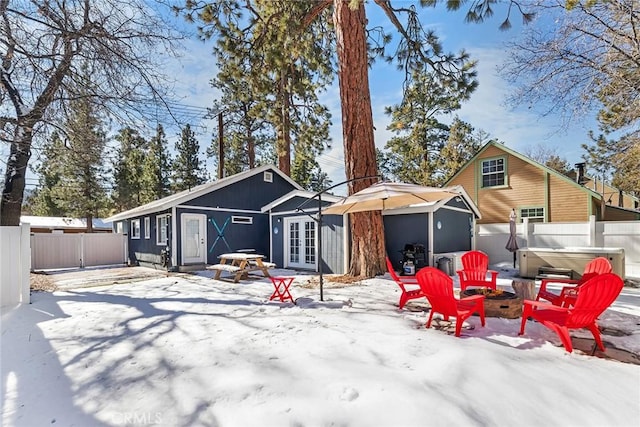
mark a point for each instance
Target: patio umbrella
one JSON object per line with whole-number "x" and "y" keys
{"x": 512, "y": 244}
{"x": 389, "y": 195}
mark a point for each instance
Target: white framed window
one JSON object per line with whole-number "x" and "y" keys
{"x": 147, "y": 227}
{"x": 161, "y": 229}
{"x": 494, "y": 172}
{"x": 268, "y": 176}
{"x": 135, "y": 228}
{"x": 241, "y": 220}
{"x": 535, "y": 214}
{"x": 119, "y": 228}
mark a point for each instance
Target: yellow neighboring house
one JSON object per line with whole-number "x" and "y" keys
{"x": 498, "y": 179}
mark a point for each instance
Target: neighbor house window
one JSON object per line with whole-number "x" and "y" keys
{"x": 119, "y": 228}
{"x": 135, "y": 228}
{"x": 147, "y": 228}
{"x": 268, "y": 176}
{"x": 493, "y": 172}
{"x": 241, "y": 219}
{"x": 161, "y": 230}
{"x": 534, "y": 214}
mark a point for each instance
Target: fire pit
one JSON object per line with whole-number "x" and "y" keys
{"x": 497, "y": 303}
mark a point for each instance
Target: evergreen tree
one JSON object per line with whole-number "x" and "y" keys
{"x": 462, "y": 144}
{"x": 270, "y": 75}
{"x": 188, "y": 170}
{"x": 43, "y": 203}
{"x": 615, "y": 161}
{"x": 246, "y": 136}
{"x": 306, "y": 171}
{"x": 597, "y": 157}
{"x": 81, "y": 191}
{"x": 626, "y": 176}
{"x": 415, "y": 154}
{"x": 156, "y": 169}
{"x": 127, "y": 170}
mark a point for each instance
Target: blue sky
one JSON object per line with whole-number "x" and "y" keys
{"x": 518, "y": 129}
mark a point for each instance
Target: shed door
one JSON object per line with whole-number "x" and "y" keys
{"x": 300, "y": 243}
{"x": 194, "y": 239}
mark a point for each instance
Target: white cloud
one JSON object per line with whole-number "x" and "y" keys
{"x": 517, "y": 128}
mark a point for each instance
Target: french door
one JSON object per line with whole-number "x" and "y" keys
{"x": 300, "y": 243}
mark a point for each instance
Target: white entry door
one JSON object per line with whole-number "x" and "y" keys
{"x": 194, "y": 239}
{"x": 300, "y": 243}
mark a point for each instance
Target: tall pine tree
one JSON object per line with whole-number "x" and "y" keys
{"x": 81, "y": 191}
{"x": 188, "y": 170}
{"x": 156, "y": 169}
{"x": 415, "y": 153}
{"x": 461, "y": 145}
{"x": 43, "y": 203}
{"x": 127, "y": 170}
{"x": 270, "y": 74}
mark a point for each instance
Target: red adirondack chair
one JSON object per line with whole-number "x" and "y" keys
{"x": 568, "y": 294}
{"x": 408, "y": 285}
{"x": 595, "y": 296}
{"x": 438, "y": 288}
{"x": 475, "y": 267}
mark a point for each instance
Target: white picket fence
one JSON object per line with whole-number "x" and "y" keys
{"x": 15, "y": 261}
{"x": 492, "y": 238}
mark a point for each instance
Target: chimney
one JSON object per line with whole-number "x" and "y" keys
{"x": 620, "y": 199}
{"x": 580, "y": 175}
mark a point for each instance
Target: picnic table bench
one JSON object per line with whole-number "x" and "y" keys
{"x": 240, "y": 264}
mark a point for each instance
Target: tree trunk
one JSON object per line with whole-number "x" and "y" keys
{"x": 251, "y": 142}
{"x": 14, "y": 178}
{"x": 283, "y": 144}
{"x": 367, "y": 232}
{"x": 89, "y": 223}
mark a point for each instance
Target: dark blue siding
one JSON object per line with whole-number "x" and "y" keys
{"x": 146, "y": 251}
{"x": 455, "y": 232}
{"x": 400, "y": 230}
{"x": 225, "y": 236}
{"x": 458, "y": 202}
{"x": 251, "y": 193}
{"x": 277, "y": 240}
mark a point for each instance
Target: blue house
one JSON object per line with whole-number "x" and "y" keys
{"x": 189, "y": 229}
{"x": 255, "y": 209}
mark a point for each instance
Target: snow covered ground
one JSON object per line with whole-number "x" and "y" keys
{"x": 186, "y": 350}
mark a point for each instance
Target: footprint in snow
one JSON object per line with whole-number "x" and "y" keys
{"x": 349, "y": 394}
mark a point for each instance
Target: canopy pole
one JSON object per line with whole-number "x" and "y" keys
{"x": 319, "y": 221}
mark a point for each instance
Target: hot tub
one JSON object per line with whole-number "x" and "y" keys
{"x": 574, "y": 258}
